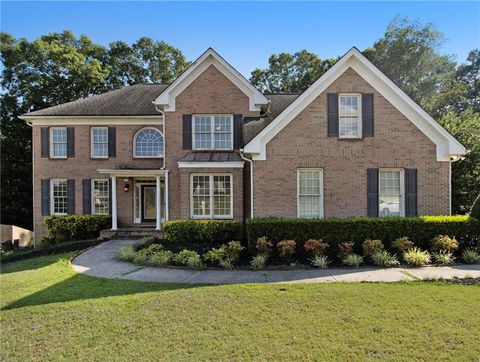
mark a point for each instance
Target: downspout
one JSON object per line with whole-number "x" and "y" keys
{"x": 251, "y": 180}
{"x": 164, "y": 136}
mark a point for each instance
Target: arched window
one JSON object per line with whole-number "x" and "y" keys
{"x": 148, "y": 142}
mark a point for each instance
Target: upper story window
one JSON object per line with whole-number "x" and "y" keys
{"x": 148, "y": 143}
{"x": 58, "y": 142}
{"x": 390, "y": 193}
{"x": 350, "y": 115}
{"x": 212, "y": 132}
{"x": 99, "y": 142}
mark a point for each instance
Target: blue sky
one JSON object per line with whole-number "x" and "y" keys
{"x": 245, "y": 33}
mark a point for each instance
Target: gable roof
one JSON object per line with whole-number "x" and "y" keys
{"x": 447, "y": 145}
{"x": 135, "y": 100}
{"x": 210, "y": 57}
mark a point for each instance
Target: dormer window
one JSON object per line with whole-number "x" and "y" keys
{"x": 350, "y": 115}
{"x": 212, "y": 132}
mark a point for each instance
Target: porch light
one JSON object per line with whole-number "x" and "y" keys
{"x": 126, "y": 187}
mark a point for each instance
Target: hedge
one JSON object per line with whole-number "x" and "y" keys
{"x": 420, "y": 230}
{"x": 201, "y": 231}
{"x": 75, "y": 227}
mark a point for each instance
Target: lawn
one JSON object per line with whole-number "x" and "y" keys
{"x": 51, "y": 313}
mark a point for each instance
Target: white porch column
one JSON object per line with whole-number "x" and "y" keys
{"x": 157, "y": 203}
{"x": 167, "y": 209}
{"x": 114, "y": 203}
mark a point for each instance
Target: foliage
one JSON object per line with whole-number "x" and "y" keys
{"x": 194, "y": 262}
{"x": 416, "y": 257}
{"x": 160, "y": 258}
{"x": 226, "y": 256}
{"x": 215, "y": 255}
{"x": 475, "y": 211}
{"x": 444, "y": 243}
{"x": 149, "y": 240}
{"x": 127, "y": 253}
{"x": 315, "y": 247}
{"x": 76, "y": 227}
{"x": 264, "y": 246}
{"x": 402, "y": 244}
{"x": 320, "y": 261}
{"x": 345, "y": 249}
{"x": 443, "y": 257}
{"x": 200, "y": 231}
{"x": 258, "y": 262}
{"x": 353, "y": 260}
{"x": 286, "y": 248}
{"x": 182, "y": 257}
{"x": 384, "y": 259}
{"x": 233, "y": 249}
{"x": 371, "y": 247}
{"x": 471, "y": 256}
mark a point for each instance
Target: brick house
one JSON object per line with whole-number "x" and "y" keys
{"x": 210, "y": 145}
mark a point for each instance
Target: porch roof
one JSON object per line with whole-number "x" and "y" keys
{"x": 128, "y": 172}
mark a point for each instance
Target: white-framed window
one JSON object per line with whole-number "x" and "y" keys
{"x": 212, "y": 132}
{"x": 58, "y": 197}
{"x": 148, "y": 143}
{"x": 100, "y": 197}
{"x": 391, "y": 192}
{"x": 58, "y": 142}
{"x": 350, "y": 115}
{"x": 211, "y": 196}
{"x": 310, "y": 192}
{"x": 99, "y": 142}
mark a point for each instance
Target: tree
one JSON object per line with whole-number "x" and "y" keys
{"x": 290, "y": 73}
{"x": 469, "y": 75}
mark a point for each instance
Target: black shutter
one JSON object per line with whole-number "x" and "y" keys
{"x": 45, "y": 197}
{"x": 70, "y": 142}
{"x": 112, "y": 142}
{"x": 411, "y": 208}
{"x": 44, "y": 142}
{"x": 332, "y": 114}
{"x": 110, "y": 196}
{"x": 367, "y": 114}
{"x": 187, "y": 131}
{"x": 372, "y": 192}
{"x": 71, "y": 196}
{"x": 87, "y": 196}
{"x": 237, "y": 131}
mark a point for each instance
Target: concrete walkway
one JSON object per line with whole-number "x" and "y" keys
{"x": 101, "y": 261}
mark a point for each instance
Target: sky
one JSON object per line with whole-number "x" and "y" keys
{"x": 244, "y": 33}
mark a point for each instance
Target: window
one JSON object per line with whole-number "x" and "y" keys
{"x": 59, "y": 197}
{"x": 58, "y": 142}
{"x": 99, "y": 142}
{"x": 310, "y": 193}
{"x": 212, "y": 132}
{"x": 100, "y": 197}
{"x": 211, "y": 196}
{"x": 148, "y": 143}
{"x": 350, "y": 115}
{"x": 390, "y": 193}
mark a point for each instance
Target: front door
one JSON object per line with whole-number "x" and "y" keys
{"x": 148, "y": 201}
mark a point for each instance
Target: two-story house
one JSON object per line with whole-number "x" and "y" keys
{"x": 210, "y": 145}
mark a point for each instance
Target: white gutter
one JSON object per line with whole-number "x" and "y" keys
{"x": 164, "y": 137}
{"x": 251, "y": 181}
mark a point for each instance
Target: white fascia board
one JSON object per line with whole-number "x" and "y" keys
{"x": 226, "y": 164}
{"x": 92, "y": 120}
{"x": 132, "y": 173}
{"x": 210, "y": 57}
{"x": 446, "y": 144}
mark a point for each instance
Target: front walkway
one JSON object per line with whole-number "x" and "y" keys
{"x": 101, "y": 261}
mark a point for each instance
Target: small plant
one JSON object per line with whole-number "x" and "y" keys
{"x": 315, "y": 247}
{"x": 226, "y": 264}
{"x": 444, "y": 243}
{"x": 286, "y": 248}
{"x": 403, "y": 244}
{"x": 149, "y": 240}
{"x": 127, "y": 253}
{"x": 152, "y": 249}
{"x": 470, "y": 256}
{"x": 215, "y": 255}
{"x": 345, "y": 249}
{"x": 194, "y": 262}
{"x": 353, "y": 260}
{"x": 443, "y": 257}
{"x": 258, "y": 262}
{"x": 233, "y": 250}
{"x": 161, "y": 258}
{"x": 385, "y": 259}
{"x": 371, "y": 247}
{"x": 264, "y": 246}
{"x": 416, "y": 257}
{"x": 141, "y": 257}
{"x": 183, "y": 256}
{"x": 320, "y": 261}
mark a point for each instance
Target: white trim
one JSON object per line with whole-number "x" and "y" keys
{"x": 92, "y": 188}
{"x": 92, "y": 153}
{"x": 359, "y": 120}
{"x": 211, "y": 195}
{"x": 158, "y": 215}
{"x": 446, "y": 144}
{"x": 134, "y": 148}
{"x": 208, "y": 58}
{"x": 52, "y": 204}
{"x": 402, "y": 189}
{"x": 131, "y": 173}
{"x": 299, "y": 170}
{"x": 212, "y": 132}
{"x": 114, "y": 203}
{"x": 50, "y": 138}
{"x": 93, "y": 120}
{"x": 219, "y": 164}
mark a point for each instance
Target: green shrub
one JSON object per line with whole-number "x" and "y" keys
{"x": 76, "y": 227}
{"x": 161, "y": 258}
{"x": 384, "y": 259}
{"x": 152, "y": 249}
{"x": 345, "y": 249}
{"x": 127, "y": 253}
{"x": 149, "y": 240}
{"x": 264, "y": 246}
{"x": 401, "y": 245}
{"x": 194, "y": 262}
{"x": 444, "y": 243}
{"x": 416, "y": 257}
{"x": 353, "y": 260}
{"x": 141, "y": 258}
{"x": 315, "y": 247}
{"x": 320, "y": 261}
{"x": 258, "y": 262}
{"x": 200, "y": 231}
{"x": 371, "y": 247}
{"x": 286, "y": 248}
{"x": 443, "y": 257}
{"x": 470, "y": 256}
{"x": 233, "y": 249}
{"x": 215, "y": 255}
{"x": 181, "y": 258}
{"x": 475, "y": 212}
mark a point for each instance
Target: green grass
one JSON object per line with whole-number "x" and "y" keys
{"x": 51, "y": 313}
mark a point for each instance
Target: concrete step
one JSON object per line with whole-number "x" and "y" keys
{"x": 131, "y": 233}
